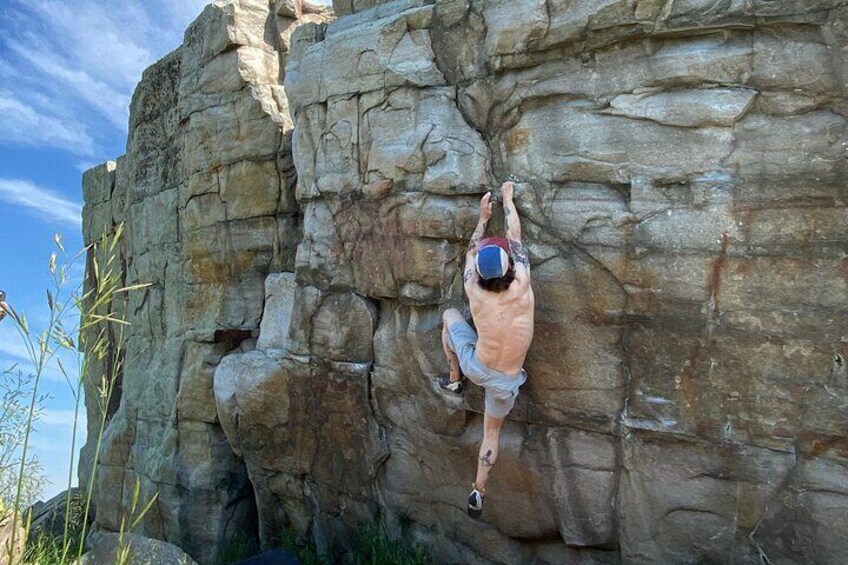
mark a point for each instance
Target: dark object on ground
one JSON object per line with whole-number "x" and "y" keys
{"x": 272, "y": 557}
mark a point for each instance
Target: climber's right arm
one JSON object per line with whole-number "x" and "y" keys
{"x": 470, "y": 273}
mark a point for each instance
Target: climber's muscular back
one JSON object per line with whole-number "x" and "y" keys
{"x": 504, "y": 322}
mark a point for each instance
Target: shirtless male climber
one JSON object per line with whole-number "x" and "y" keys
{"x": 497, "y": 282}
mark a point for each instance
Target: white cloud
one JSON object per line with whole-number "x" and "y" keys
{"x": 95, "y": 36}
{"x": 23, "y": 124}
{"x": 56, "y": 417}
{"x": 68, "y": 69}
{"x": 14, "y": 355}
{"x": 11, "y": 345}
{"x": 96, "y": 94}
{"x": 46, "y": 204}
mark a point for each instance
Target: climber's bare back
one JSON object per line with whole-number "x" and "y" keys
{"x": 504, "y": 322}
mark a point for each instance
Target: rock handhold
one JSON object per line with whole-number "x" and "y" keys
{"x": 687, "y": 108}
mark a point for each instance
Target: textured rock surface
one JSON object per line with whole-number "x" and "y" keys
{"x": 134, "y": 549}
{"x": 301, "y": 198}
{"x": 206, "y": 192}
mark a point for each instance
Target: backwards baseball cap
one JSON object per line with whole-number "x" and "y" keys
{"x": 492, "y": 257}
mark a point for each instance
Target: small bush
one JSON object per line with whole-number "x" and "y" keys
{"x": 305, "y": 551}
{"x": 375, "y": 547}
{"x": 237, "y": 549}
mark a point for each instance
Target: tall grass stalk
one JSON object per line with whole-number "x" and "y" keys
{"x": 88, "y": 323}
{"x": 124, "y": 550}
{"x": 14, "y": 416}
{"x": 40, "y": 357}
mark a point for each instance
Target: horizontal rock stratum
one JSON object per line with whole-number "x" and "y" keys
{"x": 299, "y": 187}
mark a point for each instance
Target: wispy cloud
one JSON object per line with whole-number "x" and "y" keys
{"x": 51, "y": 372}
{"x": 57, "y": 417}
{"x": 23, "y": 124}
{"x": 69, "y": 69}
{"x": 93, "y": 92}
{"x": 41, "y": 201}
{"x": 11, "y": 345}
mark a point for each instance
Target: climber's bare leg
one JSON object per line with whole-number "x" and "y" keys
{"x": 450, "y": 316}
{"x": 488, "y": 450}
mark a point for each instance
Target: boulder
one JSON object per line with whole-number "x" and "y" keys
{"x": 134, "y": 549}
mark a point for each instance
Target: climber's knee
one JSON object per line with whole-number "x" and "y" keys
{"x": 450, "y": 318}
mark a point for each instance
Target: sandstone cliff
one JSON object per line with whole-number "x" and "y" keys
{"x": 299, "y": 194}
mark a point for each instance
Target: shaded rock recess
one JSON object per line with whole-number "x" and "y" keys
{"x": 299, "y": 187}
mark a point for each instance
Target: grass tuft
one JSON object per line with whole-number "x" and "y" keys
{"x": 375, "y": 547}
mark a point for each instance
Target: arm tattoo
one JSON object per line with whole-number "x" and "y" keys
{"x": 519, "y": 253}
{"x": 512, "y": 223}
{"x": 468, "y": 275}
{"x": 477, "y": 235}
{"x": 486, "y": 460}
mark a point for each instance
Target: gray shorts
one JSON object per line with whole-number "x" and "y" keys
{"x": 501, "y": 389}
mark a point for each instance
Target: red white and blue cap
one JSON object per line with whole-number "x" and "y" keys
{"x": 492, "y": 258}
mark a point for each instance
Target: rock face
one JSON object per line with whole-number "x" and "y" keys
{"x": 206, "y": 194}
{"x": 300, "y": 200}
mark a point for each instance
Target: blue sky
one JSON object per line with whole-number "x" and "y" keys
{"x": 67, "y": 72}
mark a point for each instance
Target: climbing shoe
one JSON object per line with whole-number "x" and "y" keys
{"x": 449, "y": 385}
{"x": 475, "y": 503}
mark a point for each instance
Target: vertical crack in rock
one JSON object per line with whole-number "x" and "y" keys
{"x": 711, "y": 308}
